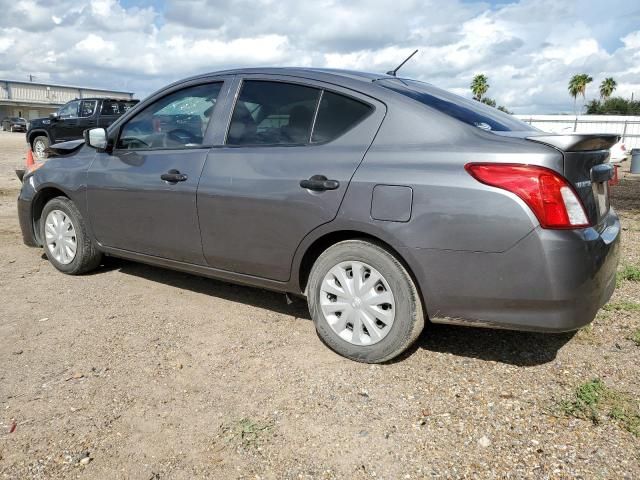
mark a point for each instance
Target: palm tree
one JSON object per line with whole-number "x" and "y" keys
{"x": 607, "y": 87}
{"x": 578, "y": 86}
{"x": 479, "y": 86}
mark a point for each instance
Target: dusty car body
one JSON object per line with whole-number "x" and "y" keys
{"x": 384, "y": 201}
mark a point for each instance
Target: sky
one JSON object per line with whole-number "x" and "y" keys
{"x": 529, "y": 49}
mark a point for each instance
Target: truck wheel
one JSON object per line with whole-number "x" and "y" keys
{"x": 40, "y": 144}
{"x": 64, "y": 234}
{"x": 363, "y": 302}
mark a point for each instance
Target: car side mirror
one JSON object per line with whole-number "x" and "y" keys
{"x": 54, "y": 116}
{"x": 96, "y": 138}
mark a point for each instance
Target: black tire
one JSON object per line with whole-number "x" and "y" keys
{"x": 45, "y": 141}
{"x": 409, "y": 315}
{"x": 87, "y": 256}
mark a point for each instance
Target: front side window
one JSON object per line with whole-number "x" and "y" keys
{"x": 70, "y": 110}
{"x": 336, "y": 115}
{"x": 88, "y": 108}
{"x": 178, "y": 120}
{"x": 273, "y": 113}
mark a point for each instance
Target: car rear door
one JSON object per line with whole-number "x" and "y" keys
{"x": 252, "y": 208}
{"x": 142, "y": 195}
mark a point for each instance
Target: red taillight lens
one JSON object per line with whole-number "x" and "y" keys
{"x": 552, "y": 199}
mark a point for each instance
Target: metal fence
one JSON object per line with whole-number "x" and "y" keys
{"x": 628, "y": 127}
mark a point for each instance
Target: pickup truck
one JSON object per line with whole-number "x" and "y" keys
{"x": 72, "y": 119}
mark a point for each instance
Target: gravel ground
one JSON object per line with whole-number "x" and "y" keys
{"x": 141, "y": 373}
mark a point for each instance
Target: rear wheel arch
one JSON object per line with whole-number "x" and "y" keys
{"x": 327, "y": 240}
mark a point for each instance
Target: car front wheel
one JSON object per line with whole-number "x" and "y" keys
{"x": 64, "y": 235}
{"x": 363, "y": 302}
{"x": 40, "y": 145}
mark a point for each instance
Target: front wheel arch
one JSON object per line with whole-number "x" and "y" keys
{"x": 37, "y": 206}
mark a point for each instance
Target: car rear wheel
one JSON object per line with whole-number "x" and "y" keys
{"x": 64, "y": 235}
{"x": 363, "y": 302}
{"x": 40, "y": 145}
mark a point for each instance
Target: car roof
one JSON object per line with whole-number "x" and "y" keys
{"x": 305, "y": 71}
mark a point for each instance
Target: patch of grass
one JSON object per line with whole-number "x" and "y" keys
{"x": 629, "y": 273}
{"x": 622, "y": 307}
{"x": 595, "y": 401}
{"x": 246, "y": 431}
{"x": 635, "y": 337}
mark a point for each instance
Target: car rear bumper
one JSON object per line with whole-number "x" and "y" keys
{"x": 552, "y": 280}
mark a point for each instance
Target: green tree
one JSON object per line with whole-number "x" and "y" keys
{"x": 607, "y": 87}
{"x": 479, "y": 86}
{"x": 578, "y": 86}
{"x": 613, "y": 106}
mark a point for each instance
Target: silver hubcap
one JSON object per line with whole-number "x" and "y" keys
{"x": 39, "y": 149}
{"x": 60, "y": 236}
{"x": 357, "y": 302}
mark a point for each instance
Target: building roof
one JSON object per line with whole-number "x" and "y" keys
{"x": 24, "y": 82}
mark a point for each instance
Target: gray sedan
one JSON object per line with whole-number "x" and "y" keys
{"x": 386, "y": 202}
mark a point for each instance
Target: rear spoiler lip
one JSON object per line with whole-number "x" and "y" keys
{"x": 577, "y": 142}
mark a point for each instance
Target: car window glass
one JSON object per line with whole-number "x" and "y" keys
{"x": 70, "y": 110}
{"x": 273, "y": 113}
{"x": 116, "y": 107}
{"x": 87, "y": 108}
{"x": 468, "y": 111}
{"x": 178, "y": 120}
{"x": 336, "y": 115}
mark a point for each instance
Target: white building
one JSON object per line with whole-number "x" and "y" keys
{"x": 33, "y": 100}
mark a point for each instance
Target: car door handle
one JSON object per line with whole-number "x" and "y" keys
{"x": 319, "y": 183}
{"x": 173, "y": 176}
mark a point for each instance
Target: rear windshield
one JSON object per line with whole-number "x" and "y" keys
{"x": 468, "y": 111}
{"x": 117, "y": 107}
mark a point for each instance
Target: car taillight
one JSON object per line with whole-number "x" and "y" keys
{"x": 552, "y": 199}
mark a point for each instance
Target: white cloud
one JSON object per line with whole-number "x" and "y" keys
{"x": 529, "y": 49}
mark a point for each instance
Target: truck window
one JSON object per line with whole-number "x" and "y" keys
{"x": 87, "y": 108}
{"x": 116, "y": 107}
{"x": 70, "y": 110}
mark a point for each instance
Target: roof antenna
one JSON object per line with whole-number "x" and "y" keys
{"x": 393, "y": 72}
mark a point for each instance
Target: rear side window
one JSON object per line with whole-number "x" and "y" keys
{"x": 336, "y": 115}
{"x": 273, "y": 113}
{"x": 468, "y": 111}
{"x": 116, "y": 107}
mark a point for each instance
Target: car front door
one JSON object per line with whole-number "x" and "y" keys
{"x": 253, "y": 210}
{"x": 63, "y": 127}
{"x": 142, "y": 195}
{"x": 87, "y": 116}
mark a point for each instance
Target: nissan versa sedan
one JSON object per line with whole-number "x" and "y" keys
{"x": 385, "y": 201}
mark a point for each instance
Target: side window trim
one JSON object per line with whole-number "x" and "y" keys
{"x": 204, "y": 146}
{"x": 315, "y": 117}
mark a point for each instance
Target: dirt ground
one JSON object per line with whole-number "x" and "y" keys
{"x": 136, "y": 372}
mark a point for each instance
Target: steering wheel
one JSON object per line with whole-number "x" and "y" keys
{"x": 182, "y": 136}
